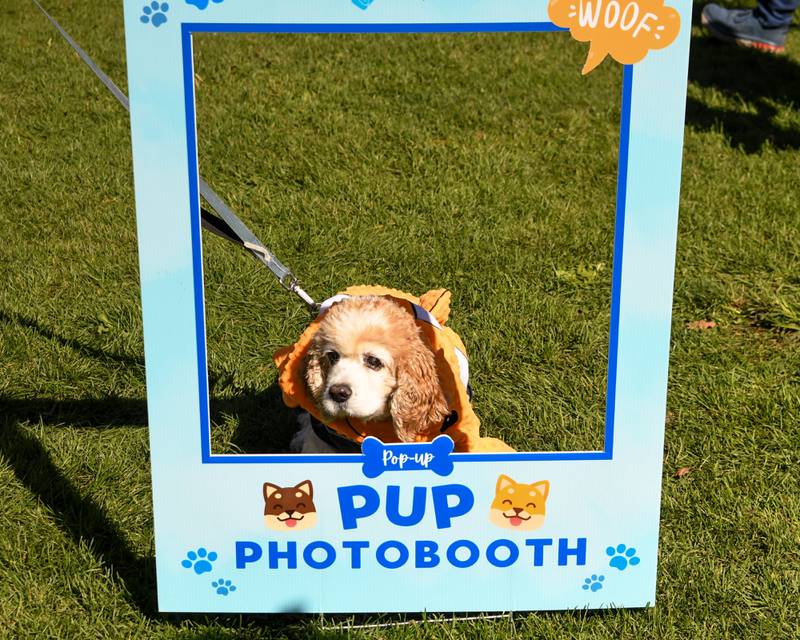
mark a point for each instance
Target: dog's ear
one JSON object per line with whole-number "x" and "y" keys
{"x": 314, "y": 370}
{"x": 543, "y": 488}
{"x": 502, "y": 482}
{"x": 418, "y": 403}
{"x": 437, "y": 303}
{"x": 269, "y": 489}
{"x": 306, "y": 487}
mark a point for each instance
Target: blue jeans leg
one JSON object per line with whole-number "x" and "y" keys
{"x": 775, "y": 13}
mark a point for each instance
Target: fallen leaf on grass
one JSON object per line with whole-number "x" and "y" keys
{"x": 103, "y": 323}
{"x": 700, "y": 325}
{"x": 582, "y": 274}
{"x": 683, "y": 471}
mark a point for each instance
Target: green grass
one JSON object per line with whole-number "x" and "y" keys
{"x": 483, "y": 163}
{"x": 419, "y": 162}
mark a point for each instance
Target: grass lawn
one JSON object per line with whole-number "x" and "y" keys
{"x": 482, "y": 163}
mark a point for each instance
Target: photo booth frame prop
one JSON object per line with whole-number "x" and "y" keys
{"x": 408, "y": 527}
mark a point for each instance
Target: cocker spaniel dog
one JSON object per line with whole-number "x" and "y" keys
{"x": 369, "y": 361}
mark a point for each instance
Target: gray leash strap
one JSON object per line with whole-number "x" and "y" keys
{"x": 230, "y": 227}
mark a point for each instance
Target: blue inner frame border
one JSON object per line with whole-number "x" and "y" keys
{"x": 187, "y": 29}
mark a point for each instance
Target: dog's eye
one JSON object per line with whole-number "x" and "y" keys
{"x": 531, "y": 505}
{"x": 508, "y": 502}
{"x": 278, "y": 507}
{"x": 301, "y": 505}
{"x": 333, "y": 357}
{"x": 372, "y": 362}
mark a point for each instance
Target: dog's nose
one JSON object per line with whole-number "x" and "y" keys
{"x": 340, "y": 392}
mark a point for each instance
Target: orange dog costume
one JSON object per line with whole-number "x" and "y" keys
{"x": 430, "y": 311}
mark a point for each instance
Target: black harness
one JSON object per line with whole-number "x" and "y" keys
{"x": 333, "y": 438}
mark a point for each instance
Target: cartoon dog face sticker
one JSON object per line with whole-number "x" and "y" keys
{"x": 289, "y": 508}
{"x": 519, "y": 506}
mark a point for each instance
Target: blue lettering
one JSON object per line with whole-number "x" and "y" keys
{"x": 491, "y": 553}
{"x": 425, "y": 554}
{"x": 393, "y": 506}
{"x": 246, "y": 551}
{"x": 350, "y": 512}
{"x": 564, "y": 552}
{"x": 538, "y": 545}
{"x": 444, "y": 511}
{"x": 402, "y": 556}
{"x": 355, "y": 547}
{"x": 308, "y": 555}
{"x": 463, "y": 544}
{"x": 290, "y": 555}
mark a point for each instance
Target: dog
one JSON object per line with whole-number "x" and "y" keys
{"x": 519, "y": 506}
{"x": 380, "y": 362}
{"x": 368, "y": 361}
{"x": 289, "y": 507}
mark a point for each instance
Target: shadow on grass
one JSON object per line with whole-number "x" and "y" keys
{"x": 95, "y": 413}
{"x": 264, "y": 424}
{"x": 762, "y": 83}
{"x": 253, "y": 410}
{"x": 83, "y": 349}
{"x": 79, "y": 516}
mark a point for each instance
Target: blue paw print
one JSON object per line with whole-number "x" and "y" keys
{"x": 595, "y": 583}
{"x": 621, "y": 557}
{"x": 155, "y": 13}
{"x": 199, "y": 560}
{"x": 223, "y": 587}
{"x": 202, "y": 4}
{"x": 362, "y": 4}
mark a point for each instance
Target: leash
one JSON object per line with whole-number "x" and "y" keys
{"x": 225, "y": 223}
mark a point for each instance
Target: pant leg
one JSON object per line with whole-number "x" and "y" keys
{"x": 775, "y": 13}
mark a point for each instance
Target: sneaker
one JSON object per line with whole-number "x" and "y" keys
{"x": 743, "y": 28}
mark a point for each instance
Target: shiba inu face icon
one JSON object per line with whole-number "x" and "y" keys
{"x": 519, "y": 506}
{"x": 289, "y": 508}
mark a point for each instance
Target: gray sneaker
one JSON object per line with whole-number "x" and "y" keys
{"x": 743, "y": 28}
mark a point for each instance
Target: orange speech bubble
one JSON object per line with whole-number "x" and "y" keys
{"x": 625, "y": 29}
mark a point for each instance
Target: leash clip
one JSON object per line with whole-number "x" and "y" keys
{"x": 290, "y": 282}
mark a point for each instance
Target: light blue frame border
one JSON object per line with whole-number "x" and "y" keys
{"x": 598, "y": 499}
{"x": 187, "y": 29}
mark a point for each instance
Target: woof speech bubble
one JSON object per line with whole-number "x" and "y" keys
{"x": 624, "y": 29}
